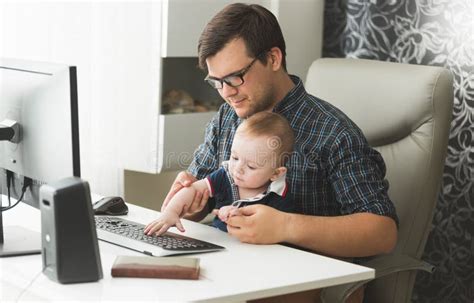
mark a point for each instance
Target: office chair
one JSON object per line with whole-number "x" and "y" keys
{"x": 405, "y": 112}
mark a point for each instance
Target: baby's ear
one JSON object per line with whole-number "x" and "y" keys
{"x": 280, "y": 171}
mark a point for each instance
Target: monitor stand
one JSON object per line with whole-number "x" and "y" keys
{"x": 19, "y": 241}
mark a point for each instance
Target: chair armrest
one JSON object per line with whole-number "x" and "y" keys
{"x": 383, "y": 265}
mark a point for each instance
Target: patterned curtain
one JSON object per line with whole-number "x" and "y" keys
{"x": 428, "y": 32}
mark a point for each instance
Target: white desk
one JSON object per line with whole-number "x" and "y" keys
{"x": 241, "y": 272}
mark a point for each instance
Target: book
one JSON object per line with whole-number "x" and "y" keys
{"x": 156, "y": 267}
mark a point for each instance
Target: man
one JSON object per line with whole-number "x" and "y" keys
{"x": 337, "y": 180}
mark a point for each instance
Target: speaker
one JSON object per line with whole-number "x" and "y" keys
{"x": 68, "y": 235}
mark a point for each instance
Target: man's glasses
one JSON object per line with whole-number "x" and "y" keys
{"x": 233, "y": 80}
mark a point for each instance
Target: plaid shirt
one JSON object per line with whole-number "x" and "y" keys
{"x": 332, "y": 171}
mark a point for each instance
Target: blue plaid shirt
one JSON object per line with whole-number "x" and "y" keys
{"x": 332, "y": 171}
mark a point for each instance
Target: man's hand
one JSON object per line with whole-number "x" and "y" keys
{"x": 354, "y": 235}
{"x": 258, "y": 224}
{"x": 185, "y": 179}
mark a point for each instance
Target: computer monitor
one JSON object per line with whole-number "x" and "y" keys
{"x": 39, "y": 139}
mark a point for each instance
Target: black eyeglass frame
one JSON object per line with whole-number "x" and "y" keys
{"x": 218, "y": 83}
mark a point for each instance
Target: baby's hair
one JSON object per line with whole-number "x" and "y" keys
{"x": 276, "y": 128}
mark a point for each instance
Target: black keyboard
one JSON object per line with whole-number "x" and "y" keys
{"x": 168, "y": 241}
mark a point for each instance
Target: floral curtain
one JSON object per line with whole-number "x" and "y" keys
{"x": 428, "y": 32}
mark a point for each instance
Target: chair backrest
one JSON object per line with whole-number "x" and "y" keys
{"x": 405, "y": 112}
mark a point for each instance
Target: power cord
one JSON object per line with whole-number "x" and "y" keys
{"x": 9, "y": 181}
{"x": 27, "y": 182}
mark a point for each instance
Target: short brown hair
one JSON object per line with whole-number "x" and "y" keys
{"x": 273, "y": 126}
{"x": 256, "y": 25}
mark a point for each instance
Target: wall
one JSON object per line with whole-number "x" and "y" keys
{"x": 300, "y": 21}
{"x": 147, "y": 190}
{"x": 429, "y": 32}
{"x": 115, "y": 46}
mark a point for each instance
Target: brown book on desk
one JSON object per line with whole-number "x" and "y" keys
{"x": 156, "y": 267}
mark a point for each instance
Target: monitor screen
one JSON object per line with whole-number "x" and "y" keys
{"x": 38, "y": 103}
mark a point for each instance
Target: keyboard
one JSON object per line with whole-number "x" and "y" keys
{"x": 130, "y": 235}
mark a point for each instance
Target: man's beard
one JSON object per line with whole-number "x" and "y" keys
{"x": 266, "y": 103}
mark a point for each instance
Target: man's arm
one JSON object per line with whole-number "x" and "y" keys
{"x": 355, "y": 235}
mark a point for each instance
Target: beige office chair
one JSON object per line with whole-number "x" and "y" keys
{"x": 405, "y": 112}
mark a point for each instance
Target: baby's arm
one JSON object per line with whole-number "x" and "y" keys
{"x": 175, "y": 208}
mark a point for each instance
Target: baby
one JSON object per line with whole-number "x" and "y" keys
{"x": 255, "y": 173}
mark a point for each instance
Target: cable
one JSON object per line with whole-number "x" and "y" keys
{"x": 9, "y": 181}
{"x": 26, "y": 183}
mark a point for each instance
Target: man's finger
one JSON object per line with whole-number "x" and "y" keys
{"x": 204, "y": 199}
{"x": 196, "y": 201}
{"x": 247, "y": 210}
{"x": 236, "y": 221}
{"x": 185, "y": 210}
{"x": 186, "y": 179}
{"x": 197, "y": 198}
{"x": 233, "y": 231}
{"x": 186, "y": 183}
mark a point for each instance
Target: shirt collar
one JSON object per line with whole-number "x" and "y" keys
{"x": 278, "y": 186}
{"x": 293, "y": 97}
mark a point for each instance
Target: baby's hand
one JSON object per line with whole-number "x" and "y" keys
{"x": 163, "y": 223}
{"x": 225, "y": 212}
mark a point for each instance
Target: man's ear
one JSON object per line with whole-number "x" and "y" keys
{"x": 280, "y": 171}
{"x": 275, "y": 58}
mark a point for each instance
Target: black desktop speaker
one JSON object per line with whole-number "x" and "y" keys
{"x": 68, "y": 235}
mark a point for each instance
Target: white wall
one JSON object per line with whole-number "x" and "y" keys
{"x": 302, "y": 24}
{"x": 115, "y": 47}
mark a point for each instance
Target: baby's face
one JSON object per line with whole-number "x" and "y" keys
{"x": 252, "y": 161}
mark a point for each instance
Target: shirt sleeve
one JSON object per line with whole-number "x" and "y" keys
{"x": 285, "y": 204}
{"x": 205, "y": 158}
{"x": 357, "y": 175}
{"x": 218, "y": 182}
